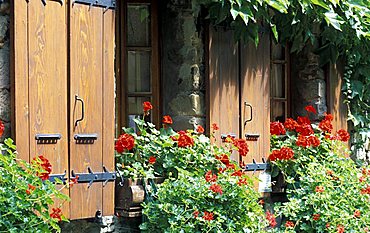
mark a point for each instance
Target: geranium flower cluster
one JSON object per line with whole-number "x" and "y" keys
{"x": 285, "y": 153}
{"x": 43, "y": 167}
{"x": 305, "y": 133}
{"x": 125, "y": 142}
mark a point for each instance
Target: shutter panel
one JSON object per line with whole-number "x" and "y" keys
{"x": 336, "y": 98}
{"x": 92, "y": 80}
{"x": 224, "y": 83}
{"x": 240, "y": 75}
{"x": 19, "y": 79}
{"x": 255, "y": 90}
{"x": 49, "y": 69}
{"x": 40, "y": 82}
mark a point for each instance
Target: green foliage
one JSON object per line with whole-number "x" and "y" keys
{"x": 180, "y": 206}
{"x": 340, "y": 29}
{"x": 24, "y": 208}
{"x": 326, "y": 190}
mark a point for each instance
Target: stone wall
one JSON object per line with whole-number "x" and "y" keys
{"x": 5, "y": 66}
{"x": 307, "y": 84}
{"x": 182, "y": 57}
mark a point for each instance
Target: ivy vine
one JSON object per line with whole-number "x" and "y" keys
{"x": 340, "y": 28}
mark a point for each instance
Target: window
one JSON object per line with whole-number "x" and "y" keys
{"x": 139, "y": 61}
{"x": 280, "y": 107}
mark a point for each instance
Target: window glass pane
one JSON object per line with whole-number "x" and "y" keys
{"x": 278, "y": 81}
{"x": 278, "y": 52}
{"x": 278, "y": 111}
{"x": 138, "y": 71}
{"x": 138, "y": 25}
{"x": 135, "y": 109}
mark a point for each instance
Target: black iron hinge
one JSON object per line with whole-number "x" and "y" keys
{"x": 61, "y": 177}
{"x": 254, "y": 166}
{"x": 107, "y": 4}
{"x": 92, "y": 177}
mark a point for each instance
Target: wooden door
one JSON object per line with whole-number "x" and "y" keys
{"x": 92, "y": 102}
{"x": 63, "y": 50}
{"x": 239, "y": 99}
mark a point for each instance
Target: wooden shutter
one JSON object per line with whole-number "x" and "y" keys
{"x": 335, "y": 96}
{"x": 92, "y": 80}
{"x": 239, "y": 80}
{"x": 224, "y": 83}
{"x": 255, "y": 91}
{"x": 62, "y": 50}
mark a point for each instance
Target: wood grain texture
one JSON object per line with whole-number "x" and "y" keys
{"x": 19, "y": 79}
{"x": 48, "y": 82}
{"x": 336, "y": 98}
{"x": 224, "y": 83}
{"x": 255, "y": 90}
{"x": 108, "y": 107}
{"x": 86, "y": 57}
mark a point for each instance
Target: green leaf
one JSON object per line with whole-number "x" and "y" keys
{"x": 334, "y": 19}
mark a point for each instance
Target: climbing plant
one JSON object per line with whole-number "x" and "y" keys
{"x": 340, "y": 29}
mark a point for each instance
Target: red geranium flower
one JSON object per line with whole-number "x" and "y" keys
{"x": 303, "y": 120}
{"x": 357, "y": 214}
{"x": 196, "y": 214}
{"x": 2, "y": 128}
{"x": 208, "y": 216}
{"x": 56, "y": 213}
{"x": 343, "y": 135}
{"x": 30, "y": 188}
{"x": 285, "y": 153}
{"x": 44, "y": 164}
{"x": 307, "y": 141}
{"x": 210, "y": 177}
{"x": 277, "y": 128}
{"x": 290, "y": 124}
{"x": 237, "y": 173}
{"x": 316, "y": 217}
{"x": 271, "y": 219}
{"x": 215, "y": 127}
{"x": 184, "y": 140}
{"x": 147, "y": 106}
{"x": 216, "y": 188}
{"x": 124, "y": 142}
{"x": 319, "y": 189}
{"x": 243, "y": 181}
{"x": 223, "y": 158}
{"x": 152, "y": 159}
{"x": 325, "y": 125}
{"x": 73, "y": 181}
{"x": 242, "y": 146}
{"x": 340, "y": 229}
{"x": 167, "y": 120}
{"x": 304, "y": 129}
{"x": 200, "y": 129}
{"x": 310, "y": 108}
{"x": 289, "y": 224}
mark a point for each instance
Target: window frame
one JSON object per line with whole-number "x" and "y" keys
{"x": 122, "y": 80}
{"x": 287, "y": 82}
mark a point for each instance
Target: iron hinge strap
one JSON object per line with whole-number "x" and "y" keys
{"x": 92, "y": 177}
{"x": 254, "y": 166}
{"x": 61, "y": 177}
{"x": 107, "y": 4}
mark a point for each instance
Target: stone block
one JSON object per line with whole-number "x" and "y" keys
{"x": 4, "y": 66}
{"x": 5, "y": 105}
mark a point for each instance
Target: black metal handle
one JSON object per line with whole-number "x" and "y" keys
{"x": 82, "y": 109}
{"x": 251, "y": 113}
{"x": 60, "y": 1}
{"x": 56, "y": 136}
{"x": 224, "y": 136}
{"x": 92, "y": 136}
